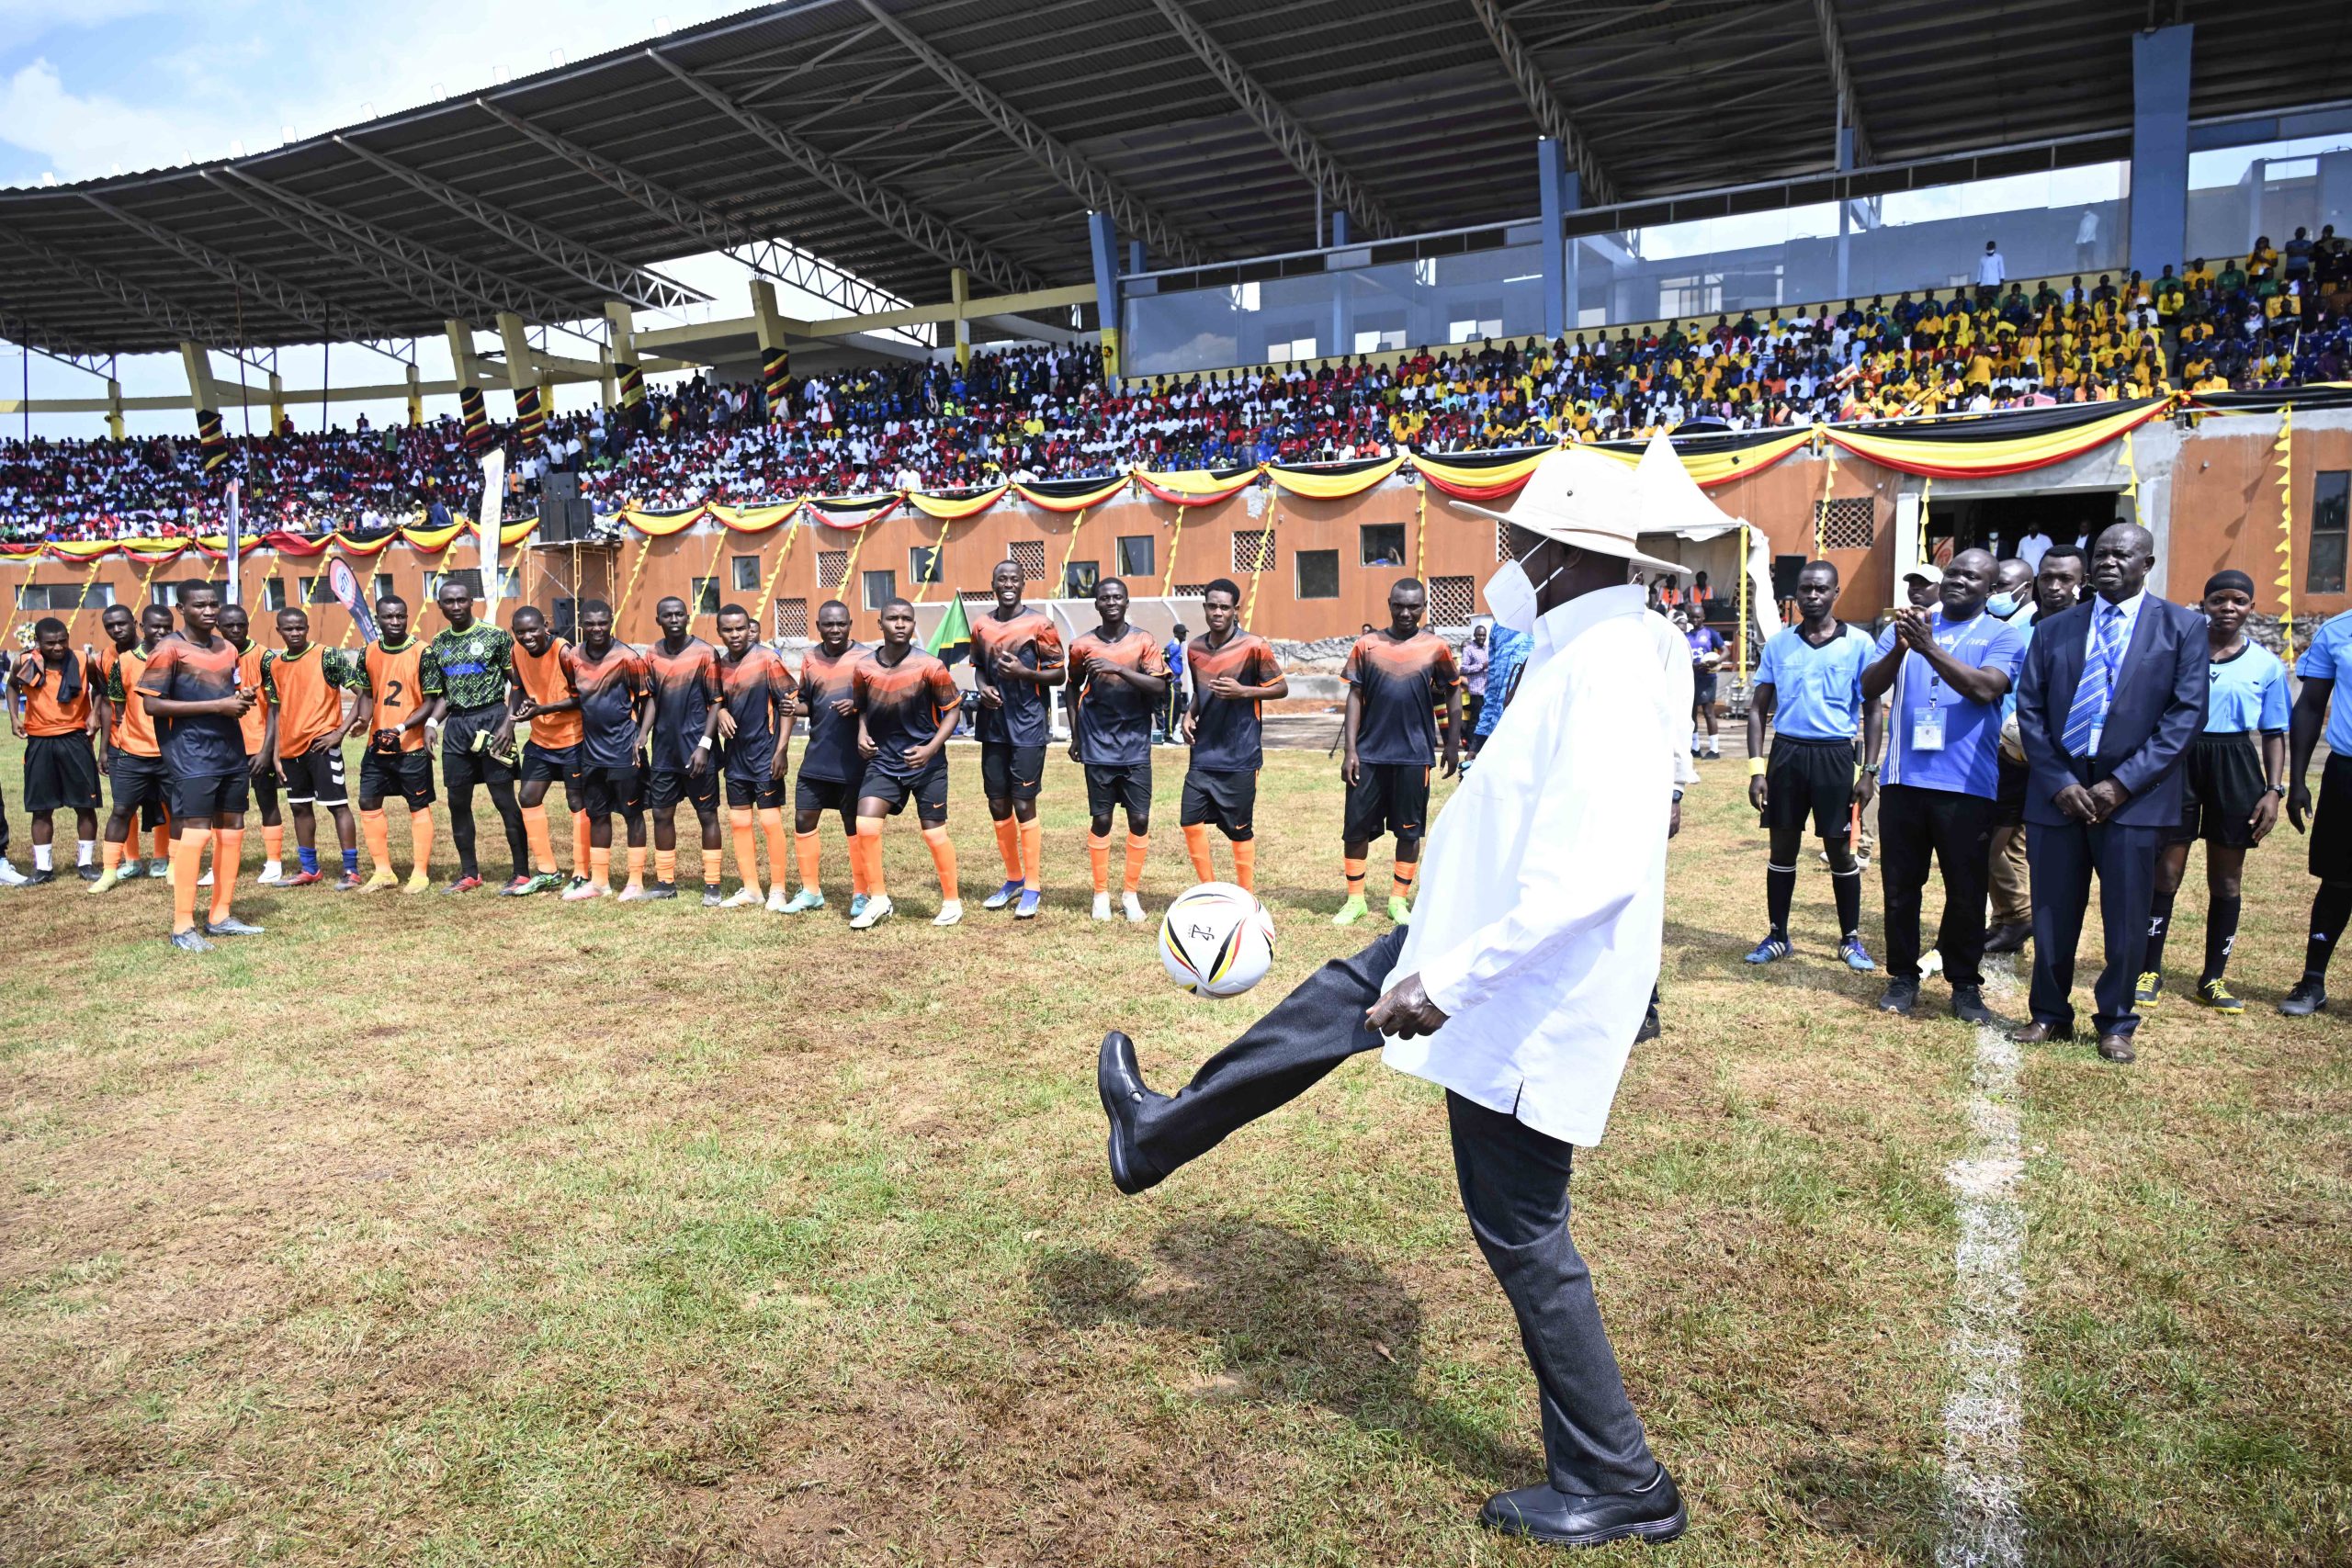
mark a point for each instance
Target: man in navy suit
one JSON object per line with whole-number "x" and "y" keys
{"x": 2112, "y": 696}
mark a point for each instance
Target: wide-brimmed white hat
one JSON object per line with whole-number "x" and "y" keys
{"x": 1583, "y": 499}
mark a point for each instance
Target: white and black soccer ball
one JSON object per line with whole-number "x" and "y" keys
{"x": 1216, "y": 939}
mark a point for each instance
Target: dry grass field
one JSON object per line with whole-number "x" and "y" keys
{"x": 483, "y": 1230}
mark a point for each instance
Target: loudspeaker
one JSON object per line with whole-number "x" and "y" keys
{"x": 566, "y": 521}
{"x": 562, "y": 484}
{"x": 1784, "y": 576}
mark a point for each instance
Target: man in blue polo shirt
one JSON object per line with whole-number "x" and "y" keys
{"x": 2323, "y": 664}
{"x": 1809, "y": 685}
{"x": 1949, "y": 667}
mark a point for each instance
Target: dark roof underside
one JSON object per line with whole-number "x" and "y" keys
{"x": 819, "y": 124}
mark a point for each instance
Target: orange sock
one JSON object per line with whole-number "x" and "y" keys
{"x": 580, "y": 855}
{"x": 1197, "y": 844}
{"x": 1008, "y": 846}
{"x": 772, "y": 829}
{"x": 1097, "y": 856}
{"x": 378, "y": 834}
{"x": 535, "y": 833}
{"x": 187, "y": 857}
{"x": 227, "y": 848}
{"x": 1400, "y": 879}
{"x": 665, "y": 865}
{"x": 856, "y": 864}
{"x": 420, "y": 838}
{"x": 273, "y": 842}
{"x": 1354, "y": 869}
{"x": 747, "y": 847}
{"x": 714, "y": 866}
{"x": 869, "y": 843}
{"x": 110, "y": 853}
{"x": 637, "y": 866}
{"x": 1245, "y": 864}
{"x": 1138, "y": 845}
{"x": 162, "y": 844}
{"x": 943, "y": 857}
{"x": 1033, "y": 856}
{"x": 809, "y": 850}
{"x": 600, "y": 866}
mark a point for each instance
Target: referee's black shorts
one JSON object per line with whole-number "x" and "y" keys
{"x": 2220, "y": 784}
{"x": 2332, "y": 822}
{"x": 1810, "y": 778}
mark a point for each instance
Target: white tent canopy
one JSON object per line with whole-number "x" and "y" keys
{"x": 1673, "y": 504}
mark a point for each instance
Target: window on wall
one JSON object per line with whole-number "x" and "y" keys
{"x": 1253, "y": 549}
{"x": 746, "y": 569}
{"x": 1382, "y": 544}
{"x": 1319, "y": 573}
{"x": 832, "y": 567}
{"x": 316, "y": 592}
{"x": 1849, "y": 522}
{"x": 2331, "y": 502}
{"x": 1031, "y": 555}
{"x": 273, "y": 593}
{"x": 1452, "y": 601}
{"x": 1135, "y": 554}
{"x": 881, "y": 587}
{"x": 792, "y": 618}
{"x": 704, "y": 598}
{"x": 1078, "y": 579}
{"x": 925, "y": 563}
{"x": 382, "y": 589}
{"x": 510, "y": 582}
{"x": 66, "y": 596}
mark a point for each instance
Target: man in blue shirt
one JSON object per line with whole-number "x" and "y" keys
{"x": 1948, "y": 668}
{"x": 2331, "y": 830}
{"x": 1706, "y": 646}
{"x": 1809, "y": 684}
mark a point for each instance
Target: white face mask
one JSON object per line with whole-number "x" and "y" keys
{"x": 1511, "y": 595}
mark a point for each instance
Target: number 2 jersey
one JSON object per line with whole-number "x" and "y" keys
{"x": 401, "y": 680}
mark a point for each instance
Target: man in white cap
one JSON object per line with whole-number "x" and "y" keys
{"x": 1922, "y": 584}
{"x": 1518, "y": 987}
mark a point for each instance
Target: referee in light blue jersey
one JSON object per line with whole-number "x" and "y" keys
{"x": 2232, "y": 781}
{"x": 1809, "y": 685}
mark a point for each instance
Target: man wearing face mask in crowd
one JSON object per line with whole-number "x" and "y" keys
{"x": 1519, "y": 984}
{"x": 2012, "y": 594}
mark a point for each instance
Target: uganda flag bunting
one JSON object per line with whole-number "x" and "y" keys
{"x": 951, "y": 639}
{"x": 475, "y": 418}
{"x": 211, "y": 439}
{"x": 776, "y": 374}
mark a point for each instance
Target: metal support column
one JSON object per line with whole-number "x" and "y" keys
{"x": 2159, "y": 147}
{"x": 1104, "y": 242}
{"x": 1558, "y": 190}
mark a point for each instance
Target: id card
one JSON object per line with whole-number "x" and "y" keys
{"x": 1928, "y": 730}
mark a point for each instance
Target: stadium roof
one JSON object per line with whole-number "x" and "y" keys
{"x": 891, "y": 140}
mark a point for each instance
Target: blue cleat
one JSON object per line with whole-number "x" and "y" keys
{"x": 1002, "y": 896}
{"x": 1027, "y": 909}
{"x": 1857, "y": 958}
{"x": 856, "y": 905}
{"x": 1769, "y": 950}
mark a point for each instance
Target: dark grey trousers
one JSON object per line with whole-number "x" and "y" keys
{"x": 1514, "y": 1184}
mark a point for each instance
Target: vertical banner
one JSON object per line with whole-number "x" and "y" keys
{"x": 236, "y": 539}
{"x": 2285, "y": 447}
{"x": 775, "y": 374}
{"x": 211, "y": 439}
{"x": 491, "y": 516}
{"x": 474, "y": 417}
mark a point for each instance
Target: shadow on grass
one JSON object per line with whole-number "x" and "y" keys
{"x": 1293, "y": 1320}
{"x": 1897, "y": 1512}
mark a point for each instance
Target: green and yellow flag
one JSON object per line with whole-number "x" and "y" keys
{"x": 952, "y": 638}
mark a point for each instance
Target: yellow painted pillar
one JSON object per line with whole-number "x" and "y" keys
{"x": 114, "y": 408}
{"x": 415, "y": 397}
{"x": 202, "y": 395}
{"x": 277, "y": 403}
{"x": 959, "y": 287}
{"x": 461, "y": 351}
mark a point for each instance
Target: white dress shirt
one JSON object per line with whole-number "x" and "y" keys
{"x": 1991, "y": 269}
{"x": 2131, "y": 608}
{"x": 1544, "y": 883}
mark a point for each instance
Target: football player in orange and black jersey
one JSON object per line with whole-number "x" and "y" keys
{"x": 304, "y": 684}
{"x": 1397, "y": 679}
{"x": 1233, "y": 674}
{"x": 906, "y": 706}
{"x": 128, "y": 752}
{"x": 398, "y": 682}
{"x": 755, "y": 722}
{"x": 261, "y": 761}
{"x": 1118, "y": 677}
{"x": 54, "y": 684}
{"x": 543, "y": 697}
{"x": 687, "y": 706}
{"x": 829, "y": 766}
{"x": 615, "y": 711}
{"x": 193, "y": 688}
{"x": 1016, "y": 658}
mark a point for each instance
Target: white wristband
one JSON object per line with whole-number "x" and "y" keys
{"x": 704, "y": 744}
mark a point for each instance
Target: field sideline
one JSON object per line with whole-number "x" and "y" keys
{"x": 485, "y": 1231}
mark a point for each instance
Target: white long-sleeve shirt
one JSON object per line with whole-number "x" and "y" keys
{"x": 1544, "y": 884}
{"x": 1677, "y": 696}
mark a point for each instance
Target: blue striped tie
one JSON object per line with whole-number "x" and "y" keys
{"x": 2097, "y": 684}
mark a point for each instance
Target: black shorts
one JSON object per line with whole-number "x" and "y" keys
{"x": 61, "y": 774}
{"x": 466, "y": 757}
{"x": 1387, "y": 797}
{"x": 1128, "y": 786}
{"x": 2220, "y": 784}
{"x": 1810, "y": 779}
{"x": 2332, "y": 823}
{"x": 927, "y": 789}
{"x": 666, "y": 788}
{"x": 1703, "y": 688}
{"x": 316, "y": 777}
{"x": 137, "y": 780}
{"x": 200, "y": 798}
{"x": 408, "y": 774}
{"x": 827, "y": 794}
{"x": 754, "y": 788}
{"x": 604, "y": 791}
{"x": 264, "y": 787}
{"x": 1010, "y": 773}
{"x": 549, "y": 764}
{"x": 1226, "y": 799}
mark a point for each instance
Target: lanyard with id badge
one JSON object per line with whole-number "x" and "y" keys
{"x": 1928, "y": 724}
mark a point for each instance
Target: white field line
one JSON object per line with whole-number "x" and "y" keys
{"x": 1983, "y": 1521}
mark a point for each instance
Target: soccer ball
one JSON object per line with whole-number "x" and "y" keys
{"x": 1216, "y": 939}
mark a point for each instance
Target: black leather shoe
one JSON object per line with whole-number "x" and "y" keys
{"x": 1653, "y": 1514}
{"x": 2308, "y": 996}
{"x": 1901, "y": 996}
{"x": 1120, "y": 1084}
{"x": 2008, "y": 939}
{"x": 1968, "y": 1005}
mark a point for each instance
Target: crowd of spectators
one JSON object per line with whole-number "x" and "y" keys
{"x": 2276, "y": 317}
